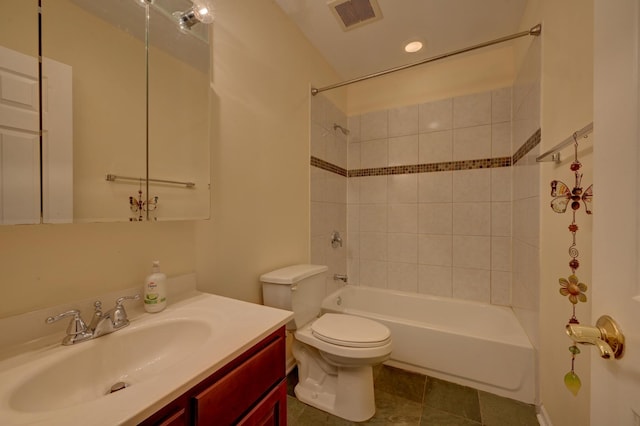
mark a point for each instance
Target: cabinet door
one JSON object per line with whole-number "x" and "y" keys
{"x": 226, "y": 400}
{"x": 271, "y": 411}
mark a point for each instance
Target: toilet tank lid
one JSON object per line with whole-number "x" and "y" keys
{"x": 292, "y": 274}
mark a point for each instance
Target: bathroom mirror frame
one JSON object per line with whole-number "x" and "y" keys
{"x": 142, "y": 129}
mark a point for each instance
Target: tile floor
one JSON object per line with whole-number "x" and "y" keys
{"x": 406, "y": 399}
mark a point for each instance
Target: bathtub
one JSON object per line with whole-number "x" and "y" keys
{"x": 469, "y": 343}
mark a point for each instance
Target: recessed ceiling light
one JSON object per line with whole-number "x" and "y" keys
{"x": 413, "y": 46}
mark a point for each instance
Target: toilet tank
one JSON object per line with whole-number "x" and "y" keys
{"x": 297, "y": 288}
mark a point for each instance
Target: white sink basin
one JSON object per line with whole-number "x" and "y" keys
{"x": 159, "y": 356}
{"x": 129, "y": 356}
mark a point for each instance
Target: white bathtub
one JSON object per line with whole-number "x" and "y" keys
{"x": 470, "y": 343}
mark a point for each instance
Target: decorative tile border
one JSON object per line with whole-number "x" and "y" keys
{"x": 325, "y": 165}
{"x": 531, "y": 143}
{"x": 484, "y": 163}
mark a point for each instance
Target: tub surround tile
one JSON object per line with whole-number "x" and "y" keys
{"x": 472, "y": 185}
{"x": 470, "y": 143}
{"x": 435, "y": 280}
{"x": 501, "y": 105}
{"x": 472, "y": 252}
{"x": 402, "y": 276}
{"x": 435, "y": 116}
{"x": 374, "y": 125}
{"x": 501, "y": 139}
{"x": 374, "y": 153}
{"x": 373, "y": 189}
{"x": 403, "y": 121}
{"x": 501, "y": 288}
{"x": 403, "y": 218}
{"x": 336, "y": 149}
{"x": 403, "y": 248}
{"x": 501, "y": 183}
{"x": 435, "y": 147}
{"x": 472, "y": 284}
{"x": 403, "y": 150}
{"x": 353, "y": 246}
{"x": 418, "y": 173}
{"x": 373, "y": 246}
{"x": 353, "y": 156}
{"x": 435, "y": 250}
{"x": 472, "y": 219}
{"x": 353, "y": 124}
{"x": 373, "y": 273}
{"x": 435, "y": 218}
{"x": 402, "y": 189}
{"x": 472, "y": 110}
{"x": 501, "y": 254}
{"x": 435, "y": 187}
{"x": 373, "y": 218}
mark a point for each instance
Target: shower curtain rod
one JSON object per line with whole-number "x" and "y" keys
{"x": 534, "y": 31}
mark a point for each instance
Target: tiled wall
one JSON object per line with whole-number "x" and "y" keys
{"x": 526, "y": 195}
{"x": 328, "y": 187}
{"x": 444, "y": 232}
{"x": 422, "y": 195}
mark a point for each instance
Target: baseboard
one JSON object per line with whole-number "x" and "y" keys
{"x": 543, "y": 416}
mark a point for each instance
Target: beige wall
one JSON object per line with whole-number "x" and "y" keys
{"x": 46, "y": 265}
{"x": 263, "y": 69}
{"x": 478, "y": 71}
{"x": 567, "y": 105}
{"x": 260, "y": 180}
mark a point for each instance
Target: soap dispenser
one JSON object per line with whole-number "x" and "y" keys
{"x": 155, "y": 292}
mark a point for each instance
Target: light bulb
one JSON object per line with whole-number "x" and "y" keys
{"x": 413, "y": 46}
{"x": 203, "y": 12}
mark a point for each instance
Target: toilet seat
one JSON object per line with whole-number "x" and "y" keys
{"x": 350, "y": 331}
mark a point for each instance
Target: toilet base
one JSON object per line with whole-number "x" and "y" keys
{"x": 346, "y": 392}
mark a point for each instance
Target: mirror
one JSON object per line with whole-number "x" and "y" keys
{"x": 19, "y": 113}
{"x": 125, "y": 111}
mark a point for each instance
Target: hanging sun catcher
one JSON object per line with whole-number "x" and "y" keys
{"x": 571, "y": 286}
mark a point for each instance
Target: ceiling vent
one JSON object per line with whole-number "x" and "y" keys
{"x": 355, "y": 13}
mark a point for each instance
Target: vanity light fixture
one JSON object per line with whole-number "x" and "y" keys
{"x": 199, "y": 12}
{"x": 413, "y": 46}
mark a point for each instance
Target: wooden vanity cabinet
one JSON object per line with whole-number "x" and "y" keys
{"x": 250, "y": 390}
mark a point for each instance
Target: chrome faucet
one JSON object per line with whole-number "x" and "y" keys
{"x": 341, "y": 277}
{"x": 336, "y": 239}
{"x": 101, "y": 323}
{"x": 77, "y": 330}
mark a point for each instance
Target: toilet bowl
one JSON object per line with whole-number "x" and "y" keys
{"x": 334, "y": 352}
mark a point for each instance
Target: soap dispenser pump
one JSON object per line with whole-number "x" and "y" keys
{"x": 155, "y": 293}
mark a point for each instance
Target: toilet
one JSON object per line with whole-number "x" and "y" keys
{"x": 335, "y": 353}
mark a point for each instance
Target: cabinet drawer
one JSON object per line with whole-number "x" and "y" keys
{"x": 225, "y": 401}
{"x": 271, "y": 411}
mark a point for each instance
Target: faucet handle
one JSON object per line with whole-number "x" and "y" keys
{"x": 97, "y": 305}
{"x": 121, "y": 300}
{"x": 77, "y": 329}
{"x": 119, "y": 316}
{"x": 76, "y": 326}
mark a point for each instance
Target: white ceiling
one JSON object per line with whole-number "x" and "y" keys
{"x": 444, "y": 26}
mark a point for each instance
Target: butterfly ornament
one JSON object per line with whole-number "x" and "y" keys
{"x": 562, "y": 195}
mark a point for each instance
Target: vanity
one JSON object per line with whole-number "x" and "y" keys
{"x": 204, "y": 360}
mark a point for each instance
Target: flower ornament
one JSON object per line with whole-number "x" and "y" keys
{"x": 573, "y": 288}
